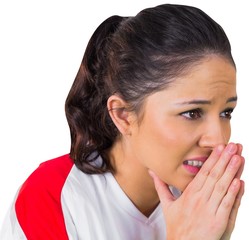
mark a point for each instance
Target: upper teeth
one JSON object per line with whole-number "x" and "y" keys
{"x": 194, "y": 163}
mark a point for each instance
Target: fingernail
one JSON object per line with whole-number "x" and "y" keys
{"x": 240, "y": 147}
{"x": 234, "y": 162}
{"x": 220, "y": 148}
{"x": 231, "y": 148}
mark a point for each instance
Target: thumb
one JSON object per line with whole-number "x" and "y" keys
{"x": 166, "y": 197}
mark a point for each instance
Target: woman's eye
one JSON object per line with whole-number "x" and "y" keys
{"x": 227, "y": 114}
{"x": 192, "y": 114}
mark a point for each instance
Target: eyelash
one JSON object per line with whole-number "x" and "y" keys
{"x": 198, "y": 113}
{"x": 189, "y": 114}
{"x": 228, "y": 111}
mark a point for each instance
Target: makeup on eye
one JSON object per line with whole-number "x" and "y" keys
{"x": 193, "y": 114}
{"x": 197, "y": 113}
{"x": 227, "y": 113}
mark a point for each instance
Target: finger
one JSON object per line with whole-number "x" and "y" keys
{"x": 219, "y": 170}
{"x": 239, "y": 152}
{"x": 213, "y": 168}
{"x": 234, "y": 212}
{"x": 223, "y": 184}
{"x": 240, "y": 171}
{"x": 162, "y": 189}
{"x": 240, "y": 149}
{"x": 225, "y": 209}
{"x": 199, "y": 180}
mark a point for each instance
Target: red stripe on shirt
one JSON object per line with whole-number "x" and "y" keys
{"x": 38, "y": 205}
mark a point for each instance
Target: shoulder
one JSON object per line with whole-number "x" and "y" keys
{"x": 50, "y": 175}
{"x": 38, "y": 206}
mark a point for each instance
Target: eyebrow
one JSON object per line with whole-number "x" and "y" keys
{"x": 232, "y": 99}
{"x": 204, "y": 102}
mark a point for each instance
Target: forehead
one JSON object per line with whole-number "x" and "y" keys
{"x": 213, "y": 74}
{"x": 213, "y": 80}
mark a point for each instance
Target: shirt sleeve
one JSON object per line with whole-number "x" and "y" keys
{"x": 37, "y": 212}
{"x": 11, "y": 229}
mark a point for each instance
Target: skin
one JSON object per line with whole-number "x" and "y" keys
{"x": 187, "y": 120}
{"x": 208, "y": 207}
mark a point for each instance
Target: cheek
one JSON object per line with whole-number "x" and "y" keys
{"x": 160, "y": 146}
{"x": 228, "y": 133}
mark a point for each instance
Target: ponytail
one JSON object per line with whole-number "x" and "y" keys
{"x": 92, "y": 131}
{"x": 134, "y": 57}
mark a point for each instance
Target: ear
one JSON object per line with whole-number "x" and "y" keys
{"x": 122, "y": 118}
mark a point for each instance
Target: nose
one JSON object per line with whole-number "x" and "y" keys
{"x": 214, "y": 133}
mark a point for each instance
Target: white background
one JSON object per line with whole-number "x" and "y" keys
{"x": 41, "y": 47}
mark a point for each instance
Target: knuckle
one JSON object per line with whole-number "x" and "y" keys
{"x": 214, "y": 174}
{"x": 205, "y": 172}
{"x": 220, "y": 188}
{"x": 227, "y": 204}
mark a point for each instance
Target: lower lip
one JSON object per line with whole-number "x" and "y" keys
{"x": 191, "y": 169}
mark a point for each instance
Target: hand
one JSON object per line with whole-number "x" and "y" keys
{"x": 208, "y": 207}
{"x": 233, "y": 214}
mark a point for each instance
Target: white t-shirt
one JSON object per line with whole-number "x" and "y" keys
{"x": 58, "y": 201}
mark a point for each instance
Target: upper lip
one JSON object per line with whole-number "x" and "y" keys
{"x": 202, "y": 159}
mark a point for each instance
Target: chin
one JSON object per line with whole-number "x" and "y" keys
{"x": 181, "y": 186}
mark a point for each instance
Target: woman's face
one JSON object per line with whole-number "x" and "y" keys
{"x": 182, "y": 124}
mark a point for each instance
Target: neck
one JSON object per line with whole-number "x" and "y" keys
{"x": 134, "y": 179}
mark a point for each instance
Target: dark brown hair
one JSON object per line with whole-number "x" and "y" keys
{"x": 134, "y": 57}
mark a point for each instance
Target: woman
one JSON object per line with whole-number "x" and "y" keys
{"x": 149, "y": 114}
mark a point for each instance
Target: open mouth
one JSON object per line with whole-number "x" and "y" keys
{"x": 194, "y": 163}
{"x": 193, "y": 166}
